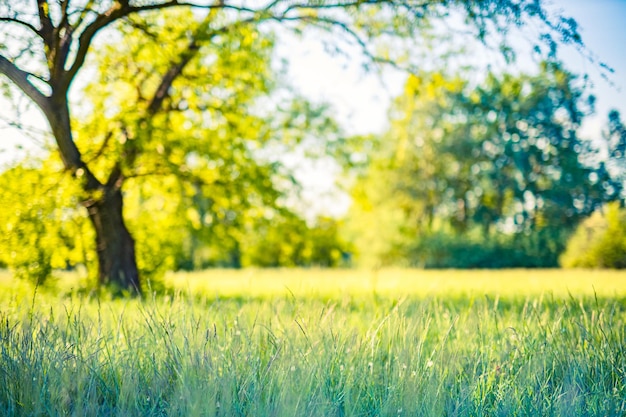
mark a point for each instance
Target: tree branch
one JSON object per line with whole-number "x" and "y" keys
{"x": 168, "y": 79}
{"x": 362, "y": 43}
{"x": 102, "y": 148}
{"x": 84, "y": 41}
{"x": 65, "y": 4}
{"x": 176, "y": 68}
{"x": 22, "y": 23}
{"x": 118, "y": 11}
{"x": 123, "y": 8}
{"x": 336, "y": 5}
{"x": 47, "y": 28}
{"x": 20, "y": 78}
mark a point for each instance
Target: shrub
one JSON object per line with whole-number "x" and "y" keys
{"x": 599, "y": 241}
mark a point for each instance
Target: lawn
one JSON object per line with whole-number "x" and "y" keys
{"x": 320, "y": 343}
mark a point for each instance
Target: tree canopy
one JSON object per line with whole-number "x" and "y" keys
{"x": 477, "y": 163}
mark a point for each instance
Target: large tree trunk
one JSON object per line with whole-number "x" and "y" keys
{"x": 117, "y": 267}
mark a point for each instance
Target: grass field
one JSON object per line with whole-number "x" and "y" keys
{"x": 320, "y": 343}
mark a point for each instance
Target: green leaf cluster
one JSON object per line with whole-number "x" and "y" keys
{"x": 41, "y": 226}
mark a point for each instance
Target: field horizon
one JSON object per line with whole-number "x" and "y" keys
{"x": 384, "y": 281}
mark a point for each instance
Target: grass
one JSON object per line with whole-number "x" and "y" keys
{"x": 321, "y": 343}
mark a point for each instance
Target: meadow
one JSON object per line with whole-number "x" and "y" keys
{"x": 320, "y": 343}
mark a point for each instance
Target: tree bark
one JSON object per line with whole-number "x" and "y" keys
{"x": 117, "y": 266}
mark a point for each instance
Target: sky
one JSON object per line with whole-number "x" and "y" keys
{"x": 361, "y": 101}
{"x": 603, "y": 30}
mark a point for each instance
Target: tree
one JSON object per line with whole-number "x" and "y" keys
{"x": 45, "y": 45}
{"x": 204, "y": 189}
{"x": 478, "y": 162}
{"x": 204, "y": 148}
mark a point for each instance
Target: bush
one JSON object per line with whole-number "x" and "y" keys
{"x": 538, "y": 249}
{"x": 40, "y": 226}
{"x": 599, "y": 241}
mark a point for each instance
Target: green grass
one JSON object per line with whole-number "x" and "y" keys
{"x": 321, "y": 343}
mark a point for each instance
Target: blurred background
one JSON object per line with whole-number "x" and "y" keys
{"x": 476, "y": 159}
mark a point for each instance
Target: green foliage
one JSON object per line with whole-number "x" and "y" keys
{"x": 40, "y": 226}
{"x": 185, "y": 91}
{"x": 176, "y": 92}
{"x": 287, "y": 240}
{"x": 599, "y": 241}
{"x": 466, "y": 169}
{"x": 208, "y": 129}
{"x": 155, "y": 213}
{"x": 189, "y": 96}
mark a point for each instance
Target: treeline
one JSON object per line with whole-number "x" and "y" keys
{"x": 469, "y": 175}
{"x": 486, "y": 176}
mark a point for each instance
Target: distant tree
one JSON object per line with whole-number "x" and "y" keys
{"x": 503, "y": 157}
{"x": 44, "y": 46}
